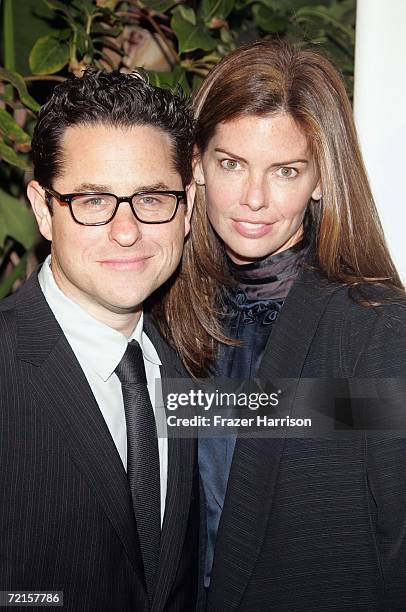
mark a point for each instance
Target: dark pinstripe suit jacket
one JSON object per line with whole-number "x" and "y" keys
{"x": 66, "y": 519}
{"x": 320, "y": 525}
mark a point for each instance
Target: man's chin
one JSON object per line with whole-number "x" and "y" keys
{"x": 124, "y": 308}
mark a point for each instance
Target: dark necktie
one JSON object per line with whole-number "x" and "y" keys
{"x": 142, "y": 458}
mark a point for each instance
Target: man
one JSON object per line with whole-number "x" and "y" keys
{"x": 111, "y": 192}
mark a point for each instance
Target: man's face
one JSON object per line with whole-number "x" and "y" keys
{"x": 111, "y": 269}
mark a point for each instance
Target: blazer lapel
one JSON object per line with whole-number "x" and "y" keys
{"x": 67, "y": 401}
{"x": 255, "y": 465}
{"x": 181, "y": 464}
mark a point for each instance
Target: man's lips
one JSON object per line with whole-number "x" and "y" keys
{"x": 125, "y": 263}
{"x": 251, "y": 229}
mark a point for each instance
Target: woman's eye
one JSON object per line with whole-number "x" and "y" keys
{"x": 287, "y": 172}
{"x": 230, "y": 164}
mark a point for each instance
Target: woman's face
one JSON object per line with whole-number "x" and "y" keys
{"x": 259, "y": 177}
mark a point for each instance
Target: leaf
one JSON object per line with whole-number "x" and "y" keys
{"x": 18, "y": 82}
{"x": 284, "y": 7}
{"x": 86, "y": 6}
{"x": 197, "y": 82}
{"x": 48, "y": 55}
{"x": 11, "y": 157}
{"x": 160, "y": 6}
{"x": 174, "y": 80}
{"x": 32, "y": 19}
{"x": 106, "y": 4}
{"x": 190, "y": 37}
{"x": 16, "y": 221}
{"x": 216, "y": 8}
{"x": 56, "y": 5}
{"x": 17, "y": 271}
{"x": 321, "y": 12}
{"x": 15, "y": 133}
{"x": 69, "y": 14}
{"x": 63, "y": 34}
{"x": 267, "y": 20}
{"x": 226, "y": 36}
{"x": 187, "y": 13}
{"x": 100, "y": 29}
{"x": 83, "y": 41}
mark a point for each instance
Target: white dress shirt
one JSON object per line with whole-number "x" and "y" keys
{"x": 99, "y": 349}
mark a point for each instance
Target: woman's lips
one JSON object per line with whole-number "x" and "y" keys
{"x": 250, "y": 229}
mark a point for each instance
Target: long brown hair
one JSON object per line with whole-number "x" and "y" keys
{"x": 263, "y": 78}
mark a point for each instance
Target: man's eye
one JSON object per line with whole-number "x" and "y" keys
{"x": 93, "y": 202}
{"x": 149, "y": 200}
{"x": 230, "y": 164}
{"x": 287, "y": 172}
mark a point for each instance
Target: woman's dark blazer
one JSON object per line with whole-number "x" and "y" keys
{"x": 319, "y": 525}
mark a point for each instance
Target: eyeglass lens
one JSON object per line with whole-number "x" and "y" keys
{"x": 153, "y": 207}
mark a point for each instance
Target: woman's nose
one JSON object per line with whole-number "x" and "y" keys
{"x": 255, "y": 196}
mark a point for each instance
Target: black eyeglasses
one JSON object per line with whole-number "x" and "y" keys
{"x": 100, "y": 208}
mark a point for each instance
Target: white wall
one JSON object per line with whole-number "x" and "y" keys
{"x": 380, "y": 112}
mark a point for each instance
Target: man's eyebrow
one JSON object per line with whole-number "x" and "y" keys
{"x": 83, "y": 187}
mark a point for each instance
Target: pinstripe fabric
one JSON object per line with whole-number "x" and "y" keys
{"x": 66, "y": 518}
{"x": 319, "y": 525}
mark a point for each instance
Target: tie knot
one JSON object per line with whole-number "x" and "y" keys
{"x": 131, "y": 369}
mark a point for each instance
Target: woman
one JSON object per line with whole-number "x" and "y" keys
{"x": 287, "y": 247}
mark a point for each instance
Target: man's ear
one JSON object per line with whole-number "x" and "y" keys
{"x": 36, "y": 196}
{"x": 197, "y": 166}
{"x": 190, "y": 200}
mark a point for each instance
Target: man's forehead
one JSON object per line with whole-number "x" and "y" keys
{"x": 131, "y": 132}
{"x": 103, "y": 156}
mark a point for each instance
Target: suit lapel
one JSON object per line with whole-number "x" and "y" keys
{"x": 255, "y": 466}
{"x": 67, "y": 401}
{"x": 181, "y": 462}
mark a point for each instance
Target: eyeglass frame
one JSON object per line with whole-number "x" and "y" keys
{"x": 66, "y": 198}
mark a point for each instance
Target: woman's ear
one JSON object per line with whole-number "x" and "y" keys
{"x": 190, "y": 200}
{"x": 36, "y": 196}
{"x": 317, "y": 193}
{"x": 197, "y": 166}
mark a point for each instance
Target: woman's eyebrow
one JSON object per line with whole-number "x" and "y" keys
{"x": 275, "y": 164}
{"x": 233, "y": 155}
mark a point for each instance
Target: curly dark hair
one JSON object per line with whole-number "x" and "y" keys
{"x": 113, "y": 99}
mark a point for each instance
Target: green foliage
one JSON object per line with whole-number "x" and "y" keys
{"x": 173, "y": 80}
{"x": 55, "y": 38}
{"x": 10, "y": 130}
{"x": 220, "y": 9}
{"x": 33, "y": 20}
{"x": 159, "y": 6}
{"x": 16, "y": 221}
{"x": 190, "y": 31}
{"x": 18, "y": 82}
{"x": 49, "y": 54}
{"x": 9, "y": 155}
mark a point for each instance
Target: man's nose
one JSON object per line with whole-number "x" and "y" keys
{"x": 125, "y": 229}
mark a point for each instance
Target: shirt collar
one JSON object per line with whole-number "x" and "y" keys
{"x": 97, "y": 345}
